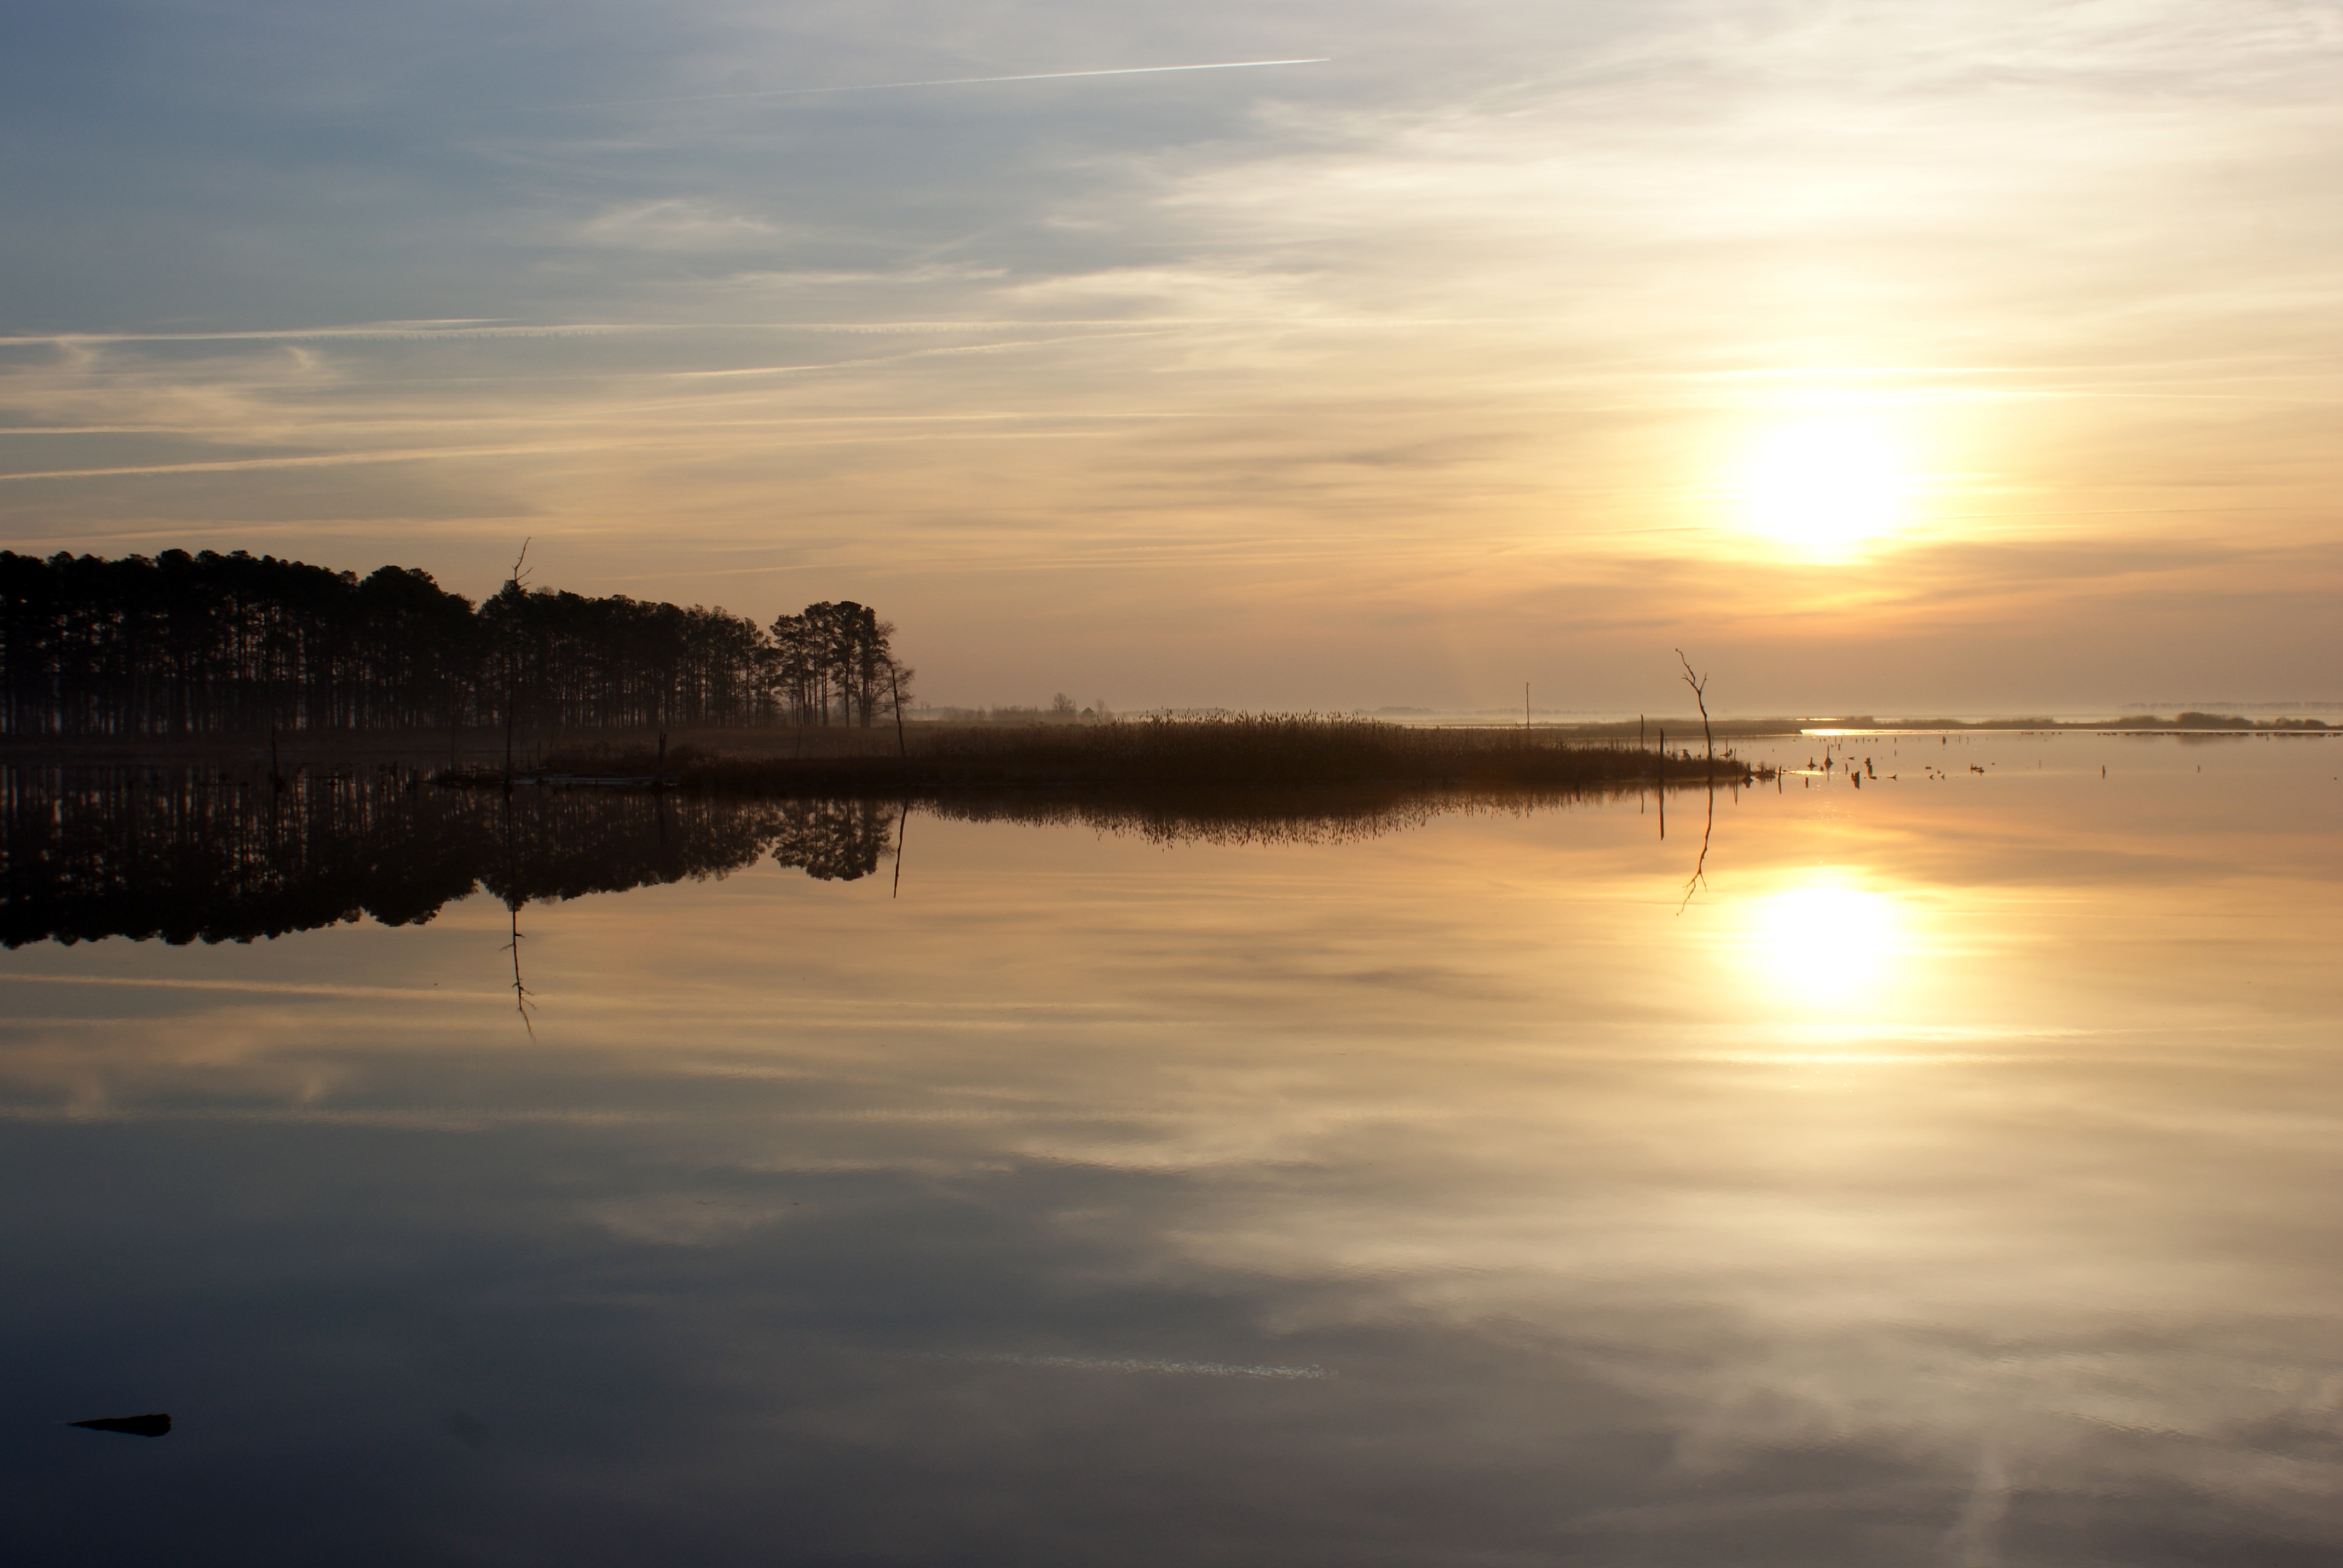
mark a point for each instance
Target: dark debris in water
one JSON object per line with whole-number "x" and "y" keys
{"x": 156, "y": 1424}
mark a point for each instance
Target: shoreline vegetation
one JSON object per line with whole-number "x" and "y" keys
{"x": 1240, "y": 751}
{"x": 1115, "y": 756}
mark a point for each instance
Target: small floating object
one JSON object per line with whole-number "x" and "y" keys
{"x": 157, "y": 1424}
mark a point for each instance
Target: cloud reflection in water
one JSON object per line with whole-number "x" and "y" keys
{"x": 1625, "y": 1235}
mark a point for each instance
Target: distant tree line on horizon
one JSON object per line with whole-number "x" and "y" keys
{"x": 183, "y": 644}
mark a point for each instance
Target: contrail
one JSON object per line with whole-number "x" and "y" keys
{"x": 950, "y": 82}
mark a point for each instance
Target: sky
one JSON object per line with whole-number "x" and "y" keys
{"x": 1974, "y": 358}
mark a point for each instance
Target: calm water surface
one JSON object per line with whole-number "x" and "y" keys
{"x": 1941, "y": 1171}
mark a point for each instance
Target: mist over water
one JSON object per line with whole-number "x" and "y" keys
{"x": 1936, "y": 1169}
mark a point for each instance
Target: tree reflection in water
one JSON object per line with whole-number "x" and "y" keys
{"x": 189, "y": 857}
{"x": 198, "y": 855}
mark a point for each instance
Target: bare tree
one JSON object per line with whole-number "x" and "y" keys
{"x": 1699, "y": 684}
{"x": 895, "y": 673}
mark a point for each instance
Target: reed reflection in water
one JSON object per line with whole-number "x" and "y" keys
{"x": 1946, "y": 1182}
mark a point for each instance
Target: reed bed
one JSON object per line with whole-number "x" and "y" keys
{"x": 1161, "y": 754}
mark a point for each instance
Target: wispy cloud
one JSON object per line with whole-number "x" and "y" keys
{"x": 1145, "y": 1365}
{"x": 955, "y": 82}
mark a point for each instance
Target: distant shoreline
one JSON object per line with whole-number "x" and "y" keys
{"x": 2188, "y": 723}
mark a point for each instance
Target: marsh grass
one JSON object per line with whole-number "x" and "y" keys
{"x": 1244, "y": 752}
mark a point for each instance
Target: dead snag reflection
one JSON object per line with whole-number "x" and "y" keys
{"x": 513, "y": 901}
{"x": 902, "y": 821}
{"x": 521, "y": 993}
{"x": 1699, "y": 878}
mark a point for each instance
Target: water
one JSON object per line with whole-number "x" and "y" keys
{"x": 1937, "y": 1172}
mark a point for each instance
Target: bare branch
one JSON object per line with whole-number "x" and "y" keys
{"x": 1699, "y": 685}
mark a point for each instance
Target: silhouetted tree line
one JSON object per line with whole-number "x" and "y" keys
{"x": 210, "y": 644}
{"x": 190, "y": 855}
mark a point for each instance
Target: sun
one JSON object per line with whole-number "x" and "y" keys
{"x": 1827, "y": 942}
{"x": 1826, "y": 485}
